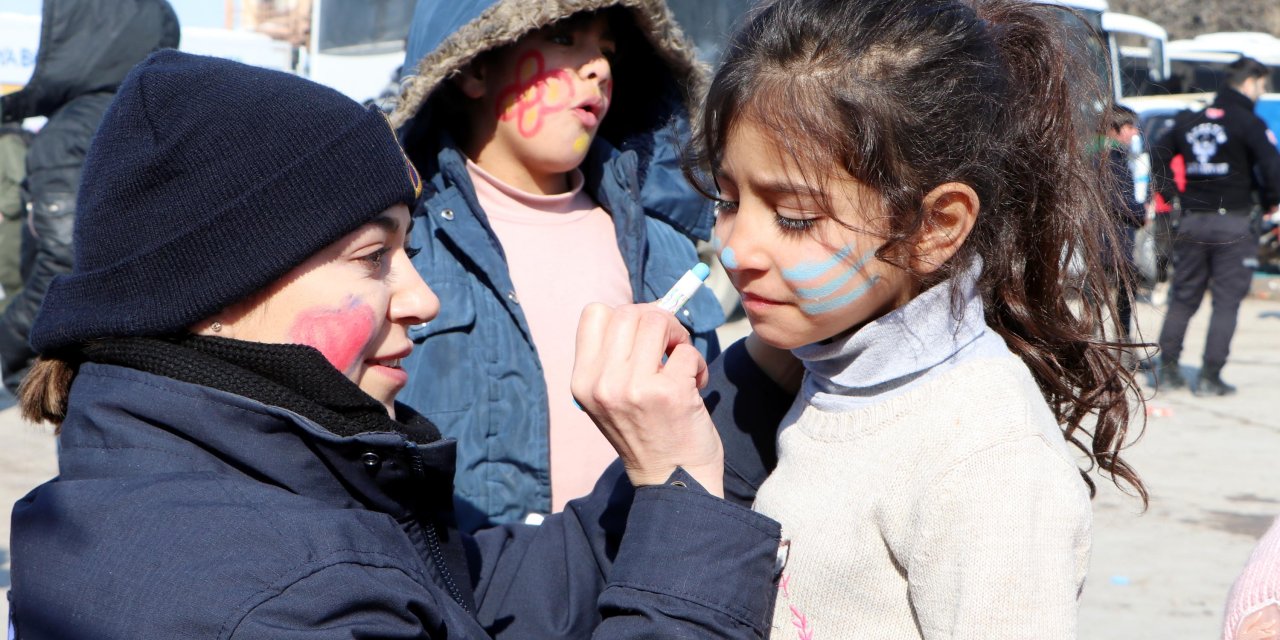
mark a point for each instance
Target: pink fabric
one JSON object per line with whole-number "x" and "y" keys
{"x": 562, "y": 253}
{"x": 1257, "y": 588}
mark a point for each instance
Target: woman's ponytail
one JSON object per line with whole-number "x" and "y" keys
{"x": 42, "y": 397}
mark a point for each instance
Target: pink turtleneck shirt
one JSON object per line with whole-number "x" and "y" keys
{"x": 562, "y": 253}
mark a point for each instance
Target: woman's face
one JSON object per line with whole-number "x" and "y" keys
{"x": 803, "y": 276}
{"x": 352, "y": 301}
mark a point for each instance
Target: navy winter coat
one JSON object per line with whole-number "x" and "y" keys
{"x": 181, "y": 511}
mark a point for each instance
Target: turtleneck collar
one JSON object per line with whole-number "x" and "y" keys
{"x": 895, "y": 352}
{"x": 506, "y": 198}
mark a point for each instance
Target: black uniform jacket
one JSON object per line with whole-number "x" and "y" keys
{"x": 1228, "y": 153}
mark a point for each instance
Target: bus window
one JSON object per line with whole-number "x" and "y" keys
{"x": 363, "y": 26}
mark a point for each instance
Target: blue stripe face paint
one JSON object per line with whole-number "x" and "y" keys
{"x": 811, "y": 270}
{"x": 728, "y": 259}
{"x": 836, "y": 273}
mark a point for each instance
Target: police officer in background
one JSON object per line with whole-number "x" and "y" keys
{"x": 1228, "y": 152}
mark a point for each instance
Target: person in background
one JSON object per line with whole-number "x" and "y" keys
{"x": 14, "y": 141}
{"x": 86, "y": 48}
{"x": 1216, "y": 249}
{"x": 223, "y": 363}
{"x": 548, "y": 138}
{"x": 901, "y": 233}
{"x": 1128, "y": 211}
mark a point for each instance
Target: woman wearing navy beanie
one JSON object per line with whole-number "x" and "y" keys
{"x": 223, "y": 363}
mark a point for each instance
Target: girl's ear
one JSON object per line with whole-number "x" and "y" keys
{"x": 470, "y": 80}
{"x": 951, "y": 210}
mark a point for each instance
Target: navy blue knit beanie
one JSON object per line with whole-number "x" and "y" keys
{"x": 208, "y": 180}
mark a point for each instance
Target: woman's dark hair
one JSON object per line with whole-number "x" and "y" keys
{"x": 1001, "y": 95}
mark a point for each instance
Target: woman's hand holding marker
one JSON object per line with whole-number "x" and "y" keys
{"x": 637, "y": 375}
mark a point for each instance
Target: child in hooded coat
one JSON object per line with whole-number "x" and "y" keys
{"x": 547, "y": 136}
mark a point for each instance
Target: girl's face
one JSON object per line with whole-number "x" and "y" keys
{"x": 542, "y": 100}
{"x": 352, "y": 301}
{"x": 803, "y": 276}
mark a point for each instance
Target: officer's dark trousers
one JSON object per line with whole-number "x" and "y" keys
{"x": 1215, "y": 252}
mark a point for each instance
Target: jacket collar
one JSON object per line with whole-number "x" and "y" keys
{"x": 122, "y": 421}
{"x": 1229, "y": 97}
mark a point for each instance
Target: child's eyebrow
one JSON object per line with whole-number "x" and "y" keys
{"x": 784, "y": 187}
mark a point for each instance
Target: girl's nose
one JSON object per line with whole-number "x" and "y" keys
{"x": 727, "y": 242}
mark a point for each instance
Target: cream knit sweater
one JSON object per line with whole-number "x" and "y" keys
{"x": 951, "y": 511}
{"x": 925, "y": 487}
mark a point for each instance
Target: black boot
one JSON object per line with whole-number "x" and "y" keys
{"x": 1169, "y": 376}
{"x": 1211, "y": 384}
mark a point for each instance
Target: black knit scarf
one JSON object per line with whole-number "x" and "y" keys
{"x": 289, "y": 376}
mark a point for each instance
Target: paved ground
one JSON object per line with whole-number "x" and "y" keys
{"x": 1213, "y": 468}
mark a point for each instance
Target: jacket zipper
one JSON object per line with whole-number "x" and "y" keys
{"x": 433, "y": 536}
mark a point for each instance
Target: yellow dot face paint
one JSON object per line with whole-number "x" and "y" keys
{"x": 581, "y": 143}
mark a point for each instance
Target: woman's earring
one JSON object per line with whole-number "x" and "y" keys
{"x": 216, "y": 326}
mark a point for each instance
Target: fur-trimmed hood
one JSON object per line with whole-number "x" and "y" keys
{"x": 445, "y": 36}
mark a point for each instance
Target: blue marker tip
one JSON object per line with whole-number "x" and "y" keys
{"x": 701, "y": 270}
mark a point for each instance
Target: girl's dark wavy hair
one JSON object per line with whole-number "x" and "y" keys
{"x": 1000, "y": 95}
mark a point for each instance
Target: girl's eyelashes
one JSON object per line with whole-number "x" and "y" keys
{"x": 412, "y": 252}
{"x": 725, "y": 206}
{"x": 793, "y": 225}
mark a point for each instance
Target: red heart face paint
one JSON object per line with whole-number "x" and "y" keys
{"x": 340, "y": 334}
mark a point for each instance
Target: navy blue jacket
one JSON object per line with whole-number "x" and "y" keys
{"x": 475, "y": 371}
{"x": 181, "y": 511}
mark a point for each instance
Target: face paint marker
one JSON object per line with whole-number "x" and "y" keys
{"x": 684, "y": 288}
{"x": 679, "y": 294}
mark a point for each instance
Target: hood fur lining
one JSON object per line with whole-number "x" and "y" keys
{"x": 507, "y": 21}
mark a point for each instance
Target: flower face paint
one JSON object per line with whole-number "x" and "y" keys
{"x": 535, "y": 94}
{"x": 803, "y": 275}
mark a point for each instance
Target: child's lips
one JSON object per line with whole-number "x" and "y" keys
{"x": 588, "y": 117}
{"x": 591, "y": 111}
{"x": 753, "y": 300}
